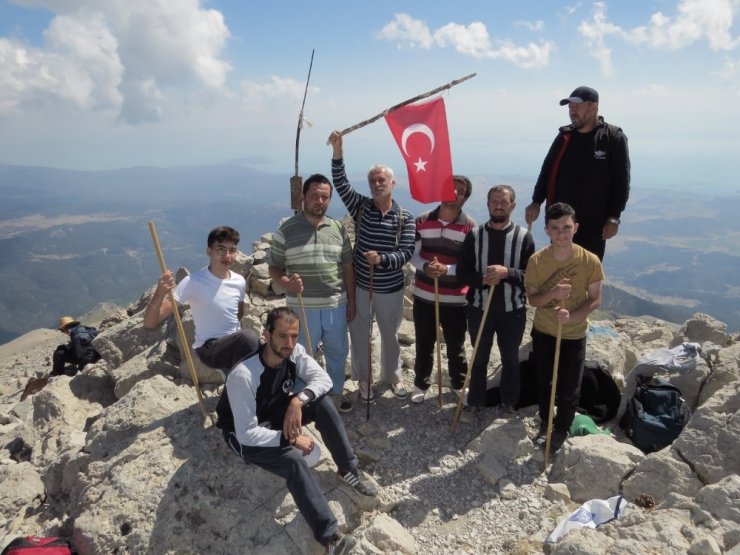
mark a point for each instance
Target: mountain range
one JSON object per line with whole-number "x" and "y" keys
{"x": 72, "y": 239}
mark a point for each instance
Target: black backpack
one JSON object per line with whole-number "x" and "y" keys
{"x": 82, "y": 338}
{"x": 655, "y": 414}
{"x": 600, "y": 396}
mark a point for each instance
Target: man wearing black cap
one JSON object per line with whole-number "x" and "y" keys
{"x": 588, "y": 167}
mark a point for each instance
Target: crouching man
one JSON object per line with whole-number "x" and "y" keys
{"x": 262, "y": 422}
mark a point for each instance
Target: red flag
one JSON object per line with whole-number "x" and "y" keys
{"x": 421, "y": 133}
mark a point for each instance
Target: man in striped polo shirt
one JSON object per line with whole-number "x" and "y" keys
{"x": 495, "y": 255}
{"x": 384, "y": 238}
{"x": 311, "y": 256}
{"x": 439, "y": 237}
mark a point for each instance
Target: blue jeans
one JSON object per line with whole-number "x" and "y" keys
{"x": 329, "y": 326}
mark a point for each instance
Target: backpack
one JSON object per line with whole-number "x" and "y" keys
{"x": 81, "y": 338}
{"x": 34, "y": 545}
{"x": 655, "y": 415}
{"x": 600, "y": 396}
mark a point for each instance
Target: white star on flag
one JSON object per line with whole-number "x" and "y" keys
{"x": 421, "y": 165}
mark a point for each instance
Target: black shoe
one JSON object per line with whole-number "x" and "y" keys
{"x": 363, "y": 487}
{"x": 557, "y": 440}
{"x": 345, "y": 405}
{"x": 507, "y": 410}
{"x": 340, "y": 544}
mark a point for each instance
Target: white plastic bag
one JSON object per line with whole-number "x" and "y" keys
{"x": 591, "y": 514}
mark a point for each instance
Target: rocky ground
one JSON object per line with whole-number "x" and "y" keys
{"x": 118, "y": 458}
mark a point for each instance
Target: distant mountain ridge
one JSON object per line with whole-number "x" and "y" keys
{"x": 71, "y": 239}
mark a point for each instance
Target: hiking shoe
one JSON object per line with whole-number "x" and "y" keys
{"x": 418, "y": 395}
{"x": 557, "y": 440}
{"x": 344, "y": 404}
{"x": 470, "y": 414}
{"x": 399, "y": 391}
{"x": 366, "y": 393}
{"x": 459, "y": 393}
{"x": 363, "y": 487}
{"x": 340, "y": 544}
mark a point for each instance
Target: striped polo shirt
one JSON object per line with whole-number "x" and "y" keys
{"x": 390, "y": 234}
{"x": 443, "y": 241}
{"x": 317, "y": 255}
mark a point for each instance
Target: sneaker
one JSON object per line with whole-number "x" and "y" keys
{"x": 340, "y": 544}
{"x": 418, "y": 395}
{"x": 459, "y": 393}
{"x": 366, "y": 393}
{"x": 363, "y": 487}
{"x": 345, "y": 405}
{"x": 399, "y": 391}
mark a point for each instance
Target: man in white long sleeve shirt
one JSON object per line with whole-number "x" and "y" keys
{"x": 262, "y": 422}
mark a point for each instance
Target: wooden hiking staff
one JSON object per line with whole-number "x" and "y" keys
{"x": 439, "y": 348}
{"x": 553, "y": 390}
{"x": 306, "y": 333}
{"x": 458, "y": 410}
{"x": 405, "y": 103}
{"x": 178, "y": 321}
{"x": 369, "y": 346}
{"x": 296, "y": 181}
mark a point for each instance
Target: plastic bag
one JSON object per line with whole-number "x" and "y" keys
{"x": 591, "y": 514}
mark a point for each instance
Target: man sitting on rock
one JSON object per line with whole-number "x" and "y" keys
{"x": 78, "y": 351}
{"x": 216, "y": 298}
{"x": 262, "y": 422}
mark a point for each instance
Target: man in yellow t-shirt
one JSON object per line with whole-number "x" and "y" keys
{"x": 563, "y": 281}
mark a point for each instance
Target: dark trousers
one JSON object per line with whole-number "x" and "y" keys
{"x": 226, "y": 352}
{"x": 288, "y": 463}
{"x": 591, "y": 241}
{"x": 508, "y": 327}
{"x": 452, "y": 320}
{"x": 570, "y": 373}
{"x": 63, "y": 355}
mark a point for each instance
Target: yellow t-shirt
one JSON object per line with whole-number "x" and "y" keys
{"x": 544, "y": 272}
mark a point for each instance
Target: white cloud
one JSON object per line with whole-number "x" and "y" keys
{"x": 255, "y": 93}
{"x": 710, "y": 20}
{"x": 535, "y": 26}
{"x": 469, "y": 40}
{"x": 696, "y": 20}
{"x": 117, "y": 55}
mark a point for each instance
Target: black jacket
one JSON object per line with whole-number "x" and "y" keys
{"x": 594, "y": 180}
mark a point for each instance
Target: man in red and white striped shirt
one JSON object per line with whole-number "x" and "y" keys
{"x": 439, "y": 237}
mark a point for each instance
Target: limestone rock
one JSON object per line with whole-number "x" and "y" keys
{"x": 725, "y": 370}
{"x": 702, "y": 327}
{"x": 660, "y": 474}
{"x": 605, "y": 346}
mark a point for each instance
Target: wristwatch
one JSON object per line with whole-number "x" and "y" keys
{"x": 615, "y": 221}
{"x": 303, "y": 398}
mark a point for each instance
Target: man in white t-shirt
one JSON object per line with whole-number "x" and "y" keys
{"x": 215, "y": 295}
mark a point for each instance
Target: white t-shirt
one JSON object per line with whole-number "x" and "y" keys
{"x": 214, "y": 303}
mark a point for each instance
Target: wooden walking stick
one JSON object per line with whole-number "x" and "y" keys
{"x": 296, "y": 181}
{"x": 487, "y": 306}
{"x": 553, "y": 390}
{"x": 306, "y": 333}
{"x": 439, "y": 348}
{"x": 405, "y": 103}
{"x": 370, "y": 345}
{"x": 180, "y": 328}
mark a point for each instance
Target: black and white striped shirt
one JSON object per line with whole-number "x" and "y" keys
{"x": 390, "y": 234}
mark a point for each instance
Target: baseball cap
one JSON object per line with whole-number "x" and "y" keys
{"x": 580, "y": 95}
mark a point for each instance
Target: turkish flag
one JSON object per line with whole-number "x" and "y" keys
{"x": 421, "y": 133}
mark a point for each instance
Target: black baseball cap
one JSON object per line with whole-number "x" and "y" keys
{"x": 580, "y": 95}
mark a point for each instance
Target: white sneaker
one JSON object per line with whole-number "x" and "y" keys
{"x": 418, "y": 395}
{"x": 365, "y": 391}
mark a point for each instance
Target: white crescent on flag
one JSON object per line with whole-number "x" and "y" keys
{"x": 416, "y": 128}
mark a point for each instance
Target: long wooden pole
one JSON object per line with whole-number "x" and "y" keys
{"x": 487, "y": 306}
{"x": 405, "y": 103}
{"x": 306, "y": 333}
{"x": 178, "y": 321}
{"x": 370, "y": 344}
{"x": 296, "y": 182}
{"x": 439, "y": 348}
{"x": 553, "y": 391}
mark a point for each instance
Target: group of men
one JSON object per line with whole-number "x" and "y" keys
{"x": 275, "y": 388}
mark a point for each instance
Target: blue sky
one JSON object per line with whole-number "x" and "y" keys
{"x": 99, "y": 84}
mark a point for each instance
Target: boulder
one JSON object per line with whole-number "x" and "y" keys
{"x": 701, "y": 328}
{"x": 660, "y": 474}
{"x": 605, "y": 346}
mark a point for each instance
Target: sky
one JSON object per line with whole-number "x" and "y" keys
{"x": 104, "y": 84}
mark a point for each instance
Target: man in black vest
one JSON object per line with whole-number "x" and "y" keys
{"x": 587, "y": 167}
{"x": 78, "y": 351}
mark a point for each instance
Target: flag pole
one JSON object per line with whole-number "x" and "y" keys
{"x": 406, "y": 103}
{"x": 439, "y": 348}
{"x": 296, "y": 181}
